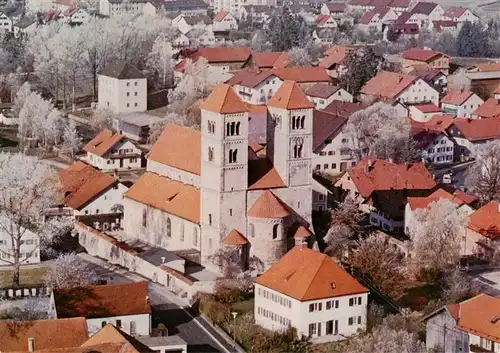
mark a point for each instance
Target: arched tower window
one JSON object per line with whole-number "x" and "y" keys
{"x": 293, "y": 122}
{"x": 233, "y": 156}
{"x": 195, "y": 236}
{"x": 251, "y": 230}
{"x": 238, "y": 128}
{"x": 144, "y": 218}
{"x": 228, "y": 129}
{"x": 210, "y": 154}
{"x": 302, "y": 121}
{"x": 233, "y": 125}
{"x": 210, "y": 219}
{"x": 169, "y": 227}
{"x": 297, "y": 149}
{"x": 275, "y": 231}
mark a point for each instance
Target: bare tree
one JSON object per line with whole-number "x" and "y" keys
{"x": 101, "y": 118}
{"x": 72, "y": 142}
{"x": 457, "y": 286}
{"x": 436, "y": 239}
{"x": 70, "y": 271}
{"x": 27, "y": 188}
{"x": 483, "y": 178}
{"x": 161, "y": 61}
{"x": 385, "y": 340}
{"x": 459, "y": 81}
{"x": 27, "y": 309}
{"x": 380, "y": 262}
{"x": 299, "y": 57}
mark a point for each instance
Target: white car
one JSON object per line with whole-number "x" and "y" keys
{"x": 447, "y": 179}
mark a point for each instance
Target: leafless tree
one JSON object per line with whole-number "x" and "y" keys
{"x": 457, "y": 286}
{"x": 483, "y": 178}
{"x": 69, "y": 271}
{"x": 27, "y": 309}
{"x": 386, "y": 340}
{"x": 299, "y": 57}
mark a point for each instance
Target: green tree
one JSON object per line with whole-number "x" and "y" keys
{"x": 361, "y": 65}
{"x": 473, "y": 41}
{"x": 285, "y": 30}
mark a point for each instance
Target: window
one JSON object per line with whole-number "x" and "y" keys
{"x": 210, "y": 219}
{"x": 233, "y": 156}
{"x": 97, "y": 211}
{"x": 210, "y": 243}
{"x": 329, "y": 327}
{"x": 312, "y": 330}
{"x": 195, "y": 236}
{"x": 128, "y": 105}
{"x": 128, "y": 84}
{"x": 135, "y": 94}
{"x": 128, "y": 94}
{"x": 230, "y": 211}
{"x": 119, "y": 323}
{"x": 334, "y": 165}
{"x": 169, "y": 227}
{"x": 322, "y": 153}
{"x": 318, "y": 167}
{"x": 144, "y": 218}
{"x": 351, "y": 321}
{"x": 275, "y": 231}
{"x": 251, "y": 230}
{"x": 325, "y": 166}
{"x": 331, "y": 153}
{"x": 359, "y": 320}
{"x": 103, "y": 323}
{"x": 297, "y": 149}
{"x": 133, "y": 330}
{"x": 210, "y": 154}
{"x": 135, "y": 83}
{"x": 182, "y": 232}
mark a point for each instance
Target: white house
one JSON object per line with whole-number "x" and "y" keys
{"x": 5, "y": 22}
{"x": 370, "y": 22}
{"x": 120, "y": 7}
{"x": 112, "y": 151}
{"x": 326, "y": 21}
{"x": 76, "y": 15}
{"x": 437, "y": 147}
{"x": 225, "y": 21}
{"x": 423, "y": 112}
{"x": 122, "y": 88}
{"x": 255, "y": 86}
{"x": 460, "y": 103}
{"x": 321, "y": 195}
{"x": 87, "y": 191}
{"x": 336, "y": 9}
{"x": 469, "y": 326}
{"x": 470, "y": 133}
{"x": 427, "y": 12}
{"x": 186, "y": 23}
{"x": 459, "y": 14}
{"x": 126, "y": 306}
{"x": 25, "y": 27}
{"x": 322, "y": 94}
{"x": 29, "y": 251}
{"x": 307, "y": 290}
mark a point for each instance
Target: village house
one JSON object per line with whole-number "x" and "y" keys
{"x": 489, "y": 109}
{"x": 440, "y": 26}
{"x": 185, "y": 23}
{"x": 418, "y": 57}
{"x": 427, "y": 12}
{"x": 370, "y": 22}
{"x": 391, "y": 86}
{"x": 269, "y": 60}
{"x": 122, "y": 88}
{"x": 135, "y": 126}
{"x": 368, "y": 5}
{"x": 334, "y": 60}
{"x": 322, "y": 94}
{"x": 335, "y": 9}
{"x": 469, "y": 326}
{"x": 113, "y": 8}
{"x": 483, "y": 231}
{"x": 29, "y": 250}
{"x": 460, "y": 103}
{"x": 433, "y": 139}
{"x": 235, "y": 6}
{"x": 401, "y": 30}
{"x": 106, "y": 304}
{"x": 325, "y": 21}
{"x": 5, "y": 22}
{"x": 307, "y": 290}
{"x": 459, "y": 14}
{"x": 408, "y": 19}
{"x": 423, "y": 112}
{"x": 90, "y": 192}
{"x": 382, "y": 187}
{"x": 306, "y": 11}
{"x": 184, "y": 7}
{"x": 216, "y": 185}
{"x": 256, "y": 14}
{"x": 433, "y": 77}
{"x": 111, "y": 151}
{"x": 225, "y": 21}
{"x": 25, "y": 27}
{"x": 469, "y": 133}
{"x": 76, "y": 15}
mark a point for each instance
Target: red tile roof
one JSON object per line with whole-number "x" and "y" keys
{"x": 250, "y": 77}
{"x": 456, "y": 97}
{"x": 428, "y": 108}
{"x": 371, "y": 175}
{"x": 224, "y": 100}
{"x": 268, "y": 205}
{"x": 271, "y": 60}
{"x": 178, "y": 147}
{"x": 403, "y": 18}
{"x": 321, "y": 90}
{"x": 262, "y": 175}
{"x": 103, "y": 301}
{"x": 303, "y": 74}
{"x": 440, "y": 194}
{"x": 302, "y": 232}
{"x": 222, "y": 54}
{"x": 388, "y": 84}
{"x": 466, "y": 198}
{"x": 424, "y": 8}
{"x": 343, "y": 109}
{"x": 441, "y": 25}
{"x": 235, "y": 238}
{"x": 220, "y": 16}
{"x": 47, "y": 334}
{"x": 486, "y": 220}
{"x": 479, "y": 129}
{"x": 335, "y": 55}
{"x": 367, "y": 17}
{"x": 454, "y": 11}
{"x": 305, "y": 275}
{"x": 417, "y": 54}
{"x": 439, "y": 123}
{"x": 171, "y": 196}
{"x": 290, "y": 96}
{"x": 336, "y": 6}
{"x": 489, "y": 109}
{"x": 321, "y": 19}
{"x": 103, "y": 142}
{"x": 325, "y": 125}
{"x": 80, "y": 184}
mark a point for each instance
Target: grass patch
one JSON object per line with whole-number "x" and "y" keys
{"x": 243, "y": 307}
{"x": 28, "y": 276}
{"x": 418, "y": 295}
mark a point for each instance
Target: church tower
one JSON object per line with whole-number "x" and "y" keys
{"x": 289, "y": 134}
{"x": 224, "y": 167}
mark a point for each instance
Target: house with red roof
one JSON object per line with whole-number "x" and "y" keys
{"x": 434, "y": 140}
{"x": 435, "y": 78}
{"x": 459, "y": 14}
{"x": 269, "y": 60}
{"x": 423, "y": 57}
{"x": 426, "y": 12}
{"x": 76, "y": 15}
{"x": 370, "y": 22}
{"x": 444, "y": 25}
{"x": 225, "y": 21}
{"x": 392, "y": 86}
{"x": 336, "y": 9}
{"x": 423, "y": 112}
{"x": 325, "y": 21}
{"x": 461, "y": 103}
{"x": 483, "y": 231}
{"x": 308, "y": 291}
{"x": 382, "y": 188}
{"x": 334, "y": 60}
{"x": 323, "y": 94}
{"x": 489, "y": 109}
{"x": 469, "y": 133}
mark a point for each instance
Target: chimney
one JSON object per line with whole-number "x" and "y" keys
{"x": 31, "y": 344}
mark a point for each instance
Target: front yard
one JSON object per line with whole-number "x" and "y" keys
{"x": 28, "y": 277}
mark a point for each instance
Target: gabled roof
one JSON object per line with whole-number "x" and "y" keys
{"x": 439, "y": 122}
{"x": 223, "y": 54}
{"x": 290, "y": 96}
{"x": 336, "y": 7}
{"x": 271, "y": 60}
{"x": 489, "y": 109}
{"x": 250, "y": 77}
{"x": 425, "y": 72}
{"x": 367, "y": 17}
{"x": 262, "y": 175}
{"x": 321, "y": 90}
{"x": 343, "y": 109}
{"x": 47, "y": 334}
{"x": 427, "y": 108}
{"x": 235, "y": 238}
{"x": 171, "y": 196}
{"x": 223, "y": 100}
{"x": 268, "y": 205}
{"x": 424, "y": 8}
{"x": 304, "y": 274}
{"x": 103, "y": 142}
{"x": 103, "y": 301}
{"x": 196, "y": 19}
{"x": 321, "y": 19}
{"x": 388, "y": 84}
{"x": 440, "y": 194}
{"x": 220, "y": 16}
{"x": 371, "y": 175}
{"x": 454, "y": 11}
{"x": 466, "y": 198}
{"x": 112, "y": 335}
{"x": 302, "y": 74}
{"x": 325, "y": 125}
{"x": 335, "y": 55}
{"x": 479, "y": 129}
{"x": 441, "y": 25}
{"x": 122, "y": 70}
{"x": 456, "y": 97}
{"x": 417, "y": 54}
{"x": 486, "y": 221}
{"x": 302, "y": 232}
{"x": 178, "y": 147}
{"x": 80, "y": 184}
{"x": 403, "y": 18}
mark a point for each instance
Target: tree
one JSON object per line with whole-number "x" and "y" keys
{"x": 260, "y": 42}
{"x": 27, "y": 188}
{"x": 483, "y": 177}
{"x": 71, "y": 271}
{"x": 473, "y": 40}
{"x": 284, "y": 30}
{"x": 382, "y": 264}
{"x": 21, "y": 95}
{"x": 436, "y": 239}
{"x": 386, "y": 340}
{"x": 345, "y": 226}
{"x": 457, "y": 286}
{"x": 33, "y": 118}
{"x": 72, "y": 142}
{"x": 299, "y": 57}
{"x": 361, "y": 66}
{"x": 27, "y": 309}
{"x": 160, "y": 60}
{"x": 101, "y": 118}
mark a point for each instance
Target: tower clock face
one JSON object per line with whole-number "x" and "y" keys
{"x": 300, "y": 140}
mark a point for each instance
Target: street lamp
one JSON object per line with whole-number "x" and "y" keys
{"x": 234, "y": 313}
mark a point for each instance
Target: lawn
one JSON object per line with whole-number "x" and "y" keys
{"x": 28, "y": 276}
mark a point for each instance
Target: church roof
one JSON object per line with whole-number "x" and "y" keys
{"x": 235, "y": 238}
{"x": 223, "y": 100}
{"x": 302, "y": 232}
{"x": 290, "y": 96}
{"x": 268, "y": 205}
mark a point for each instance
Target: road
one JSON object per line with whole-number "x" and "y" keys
{"x": 179, "y": 319}
{"x": 458, "y": 170}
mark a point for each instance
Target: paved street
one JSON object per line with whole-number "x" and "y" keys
{"x": 180, "y": 320}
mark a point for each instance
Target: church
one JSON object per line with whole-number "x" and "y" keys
{"x": 210, "y": 189}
